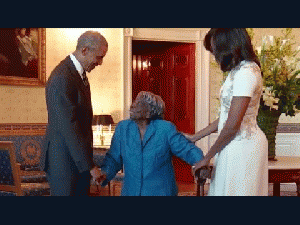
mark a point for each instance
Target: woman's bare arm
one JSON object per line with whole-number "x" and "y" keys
{"x": 236, "y": 114}
{"x": 204, "y": 132}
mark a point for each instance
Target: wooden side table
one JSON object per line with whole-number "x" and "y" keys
{"x": 285, "y": 170}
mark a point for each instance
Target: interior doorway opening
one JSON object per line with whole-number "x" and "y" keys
{"x": 168, "y": 69}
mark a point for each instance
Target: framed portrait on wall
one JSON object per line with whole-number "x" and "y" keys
{"x": 23, "y": 56}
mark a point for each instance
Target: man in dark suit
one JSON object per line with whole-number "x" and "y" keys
{"x": 68, "y": 141}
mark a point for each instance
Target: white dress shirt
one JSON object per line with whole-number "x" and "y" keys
{"x": 77, "y": 64}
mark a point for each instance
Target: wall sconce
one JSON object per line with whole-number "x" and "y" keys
{"x": 102, "y": 129}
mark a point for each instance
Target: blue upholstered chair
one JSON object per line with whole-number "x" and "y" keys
{"x": 28, "y": 150}
{"x": 10, "y": 176}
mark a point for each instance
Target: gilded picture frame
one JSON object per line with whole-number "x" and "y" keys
{"x": 23, "y": 56}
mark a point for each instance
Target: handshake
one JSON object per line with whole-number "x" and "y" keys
{"x": 97, "y": 175}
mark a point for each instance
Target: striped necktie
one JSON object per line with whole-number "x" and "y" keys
{"x": 85, "y": 79}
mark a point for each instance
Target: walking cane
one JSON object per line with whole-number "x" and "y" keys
{"x": 201, "y": 175}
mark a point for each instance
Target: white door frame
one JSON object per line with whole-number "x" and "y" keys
{"x": 187, "y": 35}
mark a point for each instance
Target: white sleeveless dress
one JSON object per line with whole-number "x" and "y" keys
{"x": 241, "y": 168}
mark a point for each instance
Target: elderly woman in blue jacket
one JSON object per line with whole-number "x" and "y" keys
{"x": 144, "y": 145}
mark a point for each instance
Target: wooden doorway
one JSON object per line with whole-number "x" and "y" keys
{"x": 168, "y": 69}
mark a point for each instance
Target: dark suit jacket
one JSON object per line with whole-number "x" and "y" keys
{"x": 70, "y": 115}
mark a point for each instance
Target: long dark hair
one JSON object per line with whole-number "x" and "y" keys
{"x": 231, "y": 46}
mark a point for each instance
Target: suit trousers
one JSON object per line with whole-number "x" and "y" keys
{"x": 63, "y": 176}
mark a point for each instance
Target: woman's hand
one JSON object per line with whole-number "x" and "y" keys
{"x": 189, "y": 137}
{"x": 202, "y": 163}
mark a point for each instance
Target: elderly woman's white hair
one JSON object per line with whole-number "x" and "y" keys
{"x": 149, "y": 102}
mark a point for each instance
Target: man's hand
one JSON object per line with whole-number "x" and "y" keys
{"x": 98, "y": 175}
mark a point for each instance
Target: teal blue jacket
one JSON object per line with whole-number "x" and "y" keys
{"x": 147, "y": 164}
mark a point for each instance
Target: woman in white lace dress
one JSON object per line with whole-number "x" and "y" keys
{"x": 241, "y": 149}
